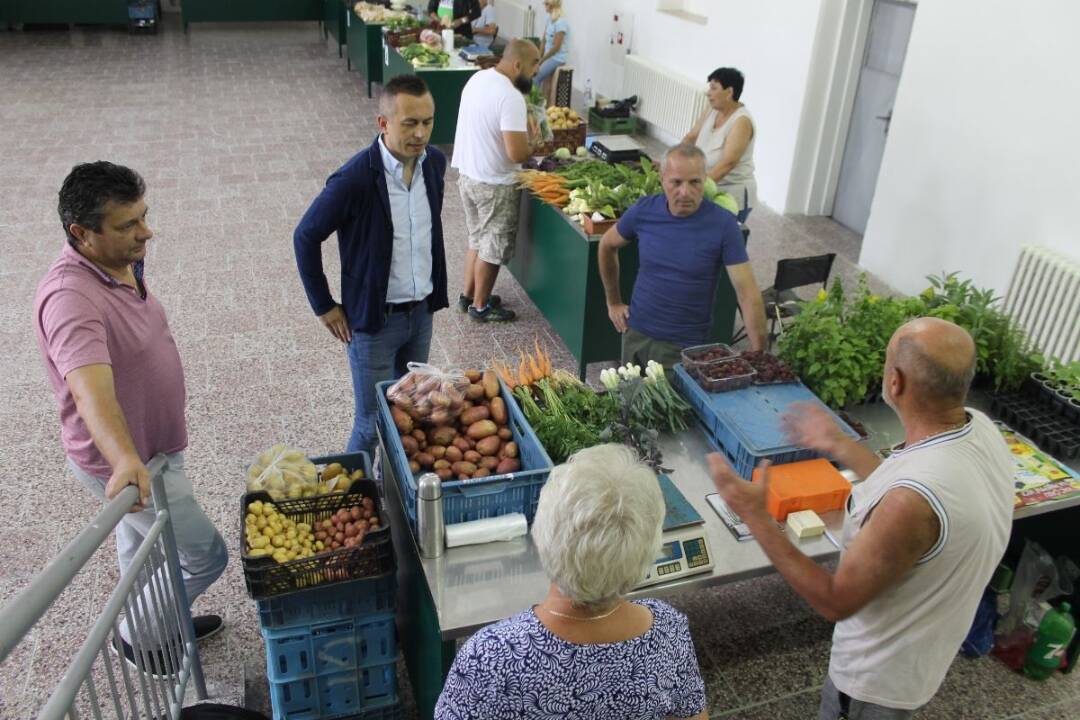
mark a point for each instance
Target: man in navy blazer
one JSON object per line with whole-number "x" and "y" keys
{"x": 385, "y": 204}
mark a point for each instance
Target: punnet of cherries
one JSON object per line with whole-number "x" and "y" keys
{"x": 770, "y": 369}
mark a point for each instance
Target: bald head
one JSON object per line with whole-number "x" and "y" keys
{"x": 521, "y": 51}
{"x": 937, "y": 358}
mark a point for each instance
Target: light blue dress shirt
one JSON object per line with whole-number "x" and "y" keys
{"x": 410, "y": 264}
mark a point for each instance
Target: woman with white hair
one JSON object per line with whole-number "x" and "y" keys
{"x": 585, "y": 651}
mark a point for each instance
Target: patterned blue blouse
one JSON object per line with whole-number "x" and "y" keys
{"x": 518, "y": 669}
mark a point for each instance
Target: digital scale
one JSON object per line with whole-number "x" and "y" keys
{"x": 684, "y": 549}
{"x": 616, "y": 149}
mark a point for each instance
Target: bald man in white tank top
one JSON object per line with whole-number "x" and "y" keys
{"x": 922, "y": 533}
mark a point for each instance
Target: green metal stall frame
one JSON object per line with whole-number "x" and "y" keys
{"x": 556, "y": 263}
{"x": 445, "y": 85}
{"x": 249, "y": 10}
{"x": 364, "y": 43}
{"x": 64, "y": 12}
{"x": 334, "y": 14}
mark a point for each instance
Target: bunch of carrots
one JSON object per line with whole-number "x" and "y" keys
{"x": 530, "y": 369}
{"x": 549, "y": 187}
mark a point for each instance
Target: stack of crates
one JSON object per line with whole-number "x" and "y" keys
{"x": 331, "y": 652}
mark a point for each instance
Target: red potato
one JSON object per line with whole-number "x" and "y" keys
{"x": 355, "y": 512}
{"x": 402, "y": 421}
{"x": 463, "y": 468}
{"x": 339, "y": 537}
{"x": 440, "y": 416}
{"x": 481, "y": 473}
{"x": 320, "y": 535}
{"x": 443, "y": 463}
{"x": 505, "y": 433}
{"x": 508, "y": 465}
{"x": 489, "y": 445}
{"x": 474, "y": 415}
{"x": 368, "y": 514}
{"x": 473, "y": 457}
{"x": 441, "y": 436}
{"x": 509, "y": 450}
{"x": 464, "y": 477}
{"x": 437, "y": 451}
{"x": 420, "y": 435}
{"x": 368, "y": 503}
{"x": 454, "y": 454}
{"x": 410, "y": 445}
{"x": 444, "y": 473}
{"x": 489, "y": 463}
{"x": 471, "y": 442}
{"x": 498, "y": 410}
{"x": 424, "y": 459}
{"x": 462, "y": 444}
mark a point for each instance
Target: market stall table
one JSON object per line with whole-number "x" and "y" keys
{"x": 469, "y": 587}
{"x": 555, "y": 262}
{"x": 445, "y": 84}
{"x": 249, "y": 10}
{"x": 364, "y": 46}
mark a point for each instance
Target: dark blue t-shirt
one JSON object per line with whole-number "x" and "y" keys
{"x": 680, "y": 263}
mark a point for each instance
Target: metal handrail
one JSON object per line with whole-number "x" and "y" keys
{"x": 150, "y": 593}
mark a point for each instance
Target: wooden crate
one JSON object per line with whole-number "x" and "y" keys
{"x": 571, "y": 139}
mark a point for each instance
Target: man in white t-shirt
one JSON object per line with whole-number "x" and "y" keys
{"x": 484, "y": 27}
{"x": 923, "y": 532}
{"x": 494, "y": 136}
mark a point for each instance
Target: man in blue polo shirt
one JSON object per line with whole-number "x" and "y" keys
{"x": 682, "y": 244}
{"x": 385, "y": 205}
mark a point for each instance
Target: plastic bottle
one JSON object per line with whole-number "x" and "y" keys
{"x": 588, "y": 94}
{"x": 1056, "y": 630}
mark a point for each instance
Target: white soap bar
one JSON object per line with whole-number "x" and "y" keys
{"x": 805, "y": 523}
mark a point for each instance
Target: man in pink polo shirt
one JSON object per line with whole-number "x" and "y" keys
{"x": 116, "y": 373}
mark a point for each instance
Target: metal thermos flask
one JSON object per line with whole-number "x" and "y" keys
{"x": 430, "y": 530}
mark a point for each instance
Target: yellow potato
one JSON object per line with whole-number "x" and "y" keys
{"x": 268, "y": 531}
{"x": 319, "y": 545}
{"x": 278, "y": 540}
{"x": 269, "y": 509}
{"x": 258, "y": 552}
{"x": 303, "y": 527}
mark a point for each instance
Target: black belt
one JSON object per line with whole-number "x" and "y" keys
{"x": 403, "y": 307}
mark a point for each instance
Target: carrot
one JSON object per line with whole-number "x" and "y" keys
{"x": 523, "y": 371}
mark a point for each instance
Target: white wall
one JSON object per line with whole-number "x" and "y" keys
{"x": 769, "y": 40}
{"x": 984, "y": 148}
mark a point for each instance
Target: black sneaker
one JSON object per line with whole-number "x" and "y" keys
{"x": 463, "y": 302}
{"x": 492, "y": 313}
{"x": 153, "y": 660}
{"x": 207, "y": 626}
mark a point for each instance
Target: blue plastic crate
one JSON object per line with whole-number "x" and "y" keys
{"x": 365, "y": 694}
{"x": 309, "y": 651}
{"x": 339, "y": 601}
{"x": 465, "y": 500}
{"x": 746, "y": 424}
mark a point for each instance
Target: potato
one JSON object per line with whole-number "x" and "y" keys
{"x": 420, "y": 435}
{"x": 444, "y": 463}
{"x": 463, "y": 468}
{"x": 454, "y": 454}
{"x": 481, "y": 429}
{"x": 481, "y": 473}
{"x": 332, "y": 470}
{"x": 473, "y": 375}
{"x": 473, "y": 457}
{"x": 444, "y": 474}
{"x": 508, "y": 465}
{"x": 466, "y": 405}
{"x": 356, "y": 512}
{"x": 462, "y": 444}
{"x": 474, "y": 392}
{"x": 441, "y": 436}
{"x": 437, "y": 451}
{"x": 440, "y": 416}
{"x": 489, "y": 463}
{"x": 489, "y": 445}
{"x": 490, "y": 382}
{"x": 402, "y": 421}
{"x": 505, "y": 433}
{"x": 425, "y": 459}
{"x": 414, "y": 467}
{"x": 410, "y": 445}
{"x": 474, "y": 415}
{"x": 498, "y": 410}
{"x": 510, "y": 450}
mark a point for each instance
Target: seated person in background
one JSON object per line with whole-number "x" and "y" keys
{"x": 456, "y": 15}
{"x": 484, "y": 27}
{"x": 554, "y": 47}
{"x": 725, "y": 133}
{"x": 585, "y": 651}
{"x": 683, "y": 241}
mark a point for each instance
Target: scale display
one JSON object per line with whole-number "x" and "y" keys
{"x": 684, "y": 549}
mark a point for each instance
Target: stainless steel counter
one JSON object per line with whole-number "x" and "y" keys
{"x": 477, "y": 585}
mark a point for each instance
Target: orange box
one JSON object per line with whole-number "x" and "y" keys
{"x": 807, "y": 485}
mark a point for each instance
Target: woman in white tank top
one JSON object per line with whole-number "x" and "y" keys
{"x": 725, "y": 133}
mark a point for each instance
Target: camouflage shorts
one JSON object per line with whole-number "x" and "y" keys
{"x": 491, "y": 218}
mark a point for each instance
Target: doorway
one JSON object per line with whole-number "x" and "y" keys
{"x": 879, "y": 77}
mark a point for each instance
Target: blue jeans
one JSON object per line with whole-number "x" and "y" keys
{"x": 547, "y": 69}
{"x": 381, "y": 356}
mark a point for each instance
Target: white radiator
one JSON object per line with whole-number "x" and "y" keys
{"x": 666, "y": 99}
{"x": 516, "y": 19}
{"x": 1044, "y": 297}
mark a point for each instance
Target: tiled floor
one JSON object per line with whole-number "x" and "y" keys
{"x": 235, "y": 129}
